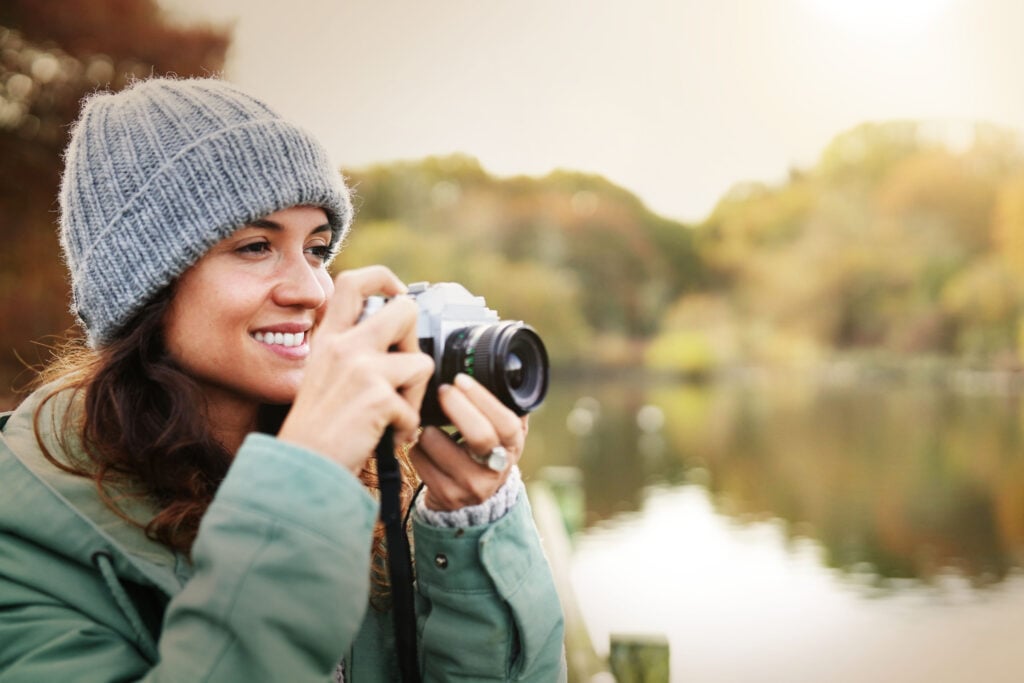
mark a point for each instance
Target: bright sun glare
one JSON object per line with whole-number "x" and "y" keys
{"x": 881, "y": 16}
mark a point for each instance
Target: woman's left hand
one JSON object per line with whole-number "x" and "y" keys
{"x": 454, "y": 479}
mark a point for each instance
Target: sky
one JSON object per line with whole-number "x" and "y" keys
{"x": 675, "y": 100}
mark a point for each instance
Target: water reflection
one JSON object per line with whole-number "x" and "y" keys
{"x": 744, "y": 602}
{"x": 895, "y": 482}
{"x": 797, "y": 530}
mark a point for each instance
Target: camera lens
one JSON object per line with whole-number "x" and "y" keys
{"x": 514, "y": 371}
{"x": 508, "y": 358}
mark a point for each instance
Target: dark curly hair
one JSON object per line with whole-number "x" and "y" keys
{"x": 145, "y": 434}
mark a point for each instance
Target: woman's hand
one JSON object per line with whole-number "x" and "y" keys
{"x": 454, "y": 479}
{"x": 360, "y": 378}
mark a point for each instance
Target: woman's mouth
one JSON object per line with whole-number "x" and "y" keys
{"x": 285, "y": 339}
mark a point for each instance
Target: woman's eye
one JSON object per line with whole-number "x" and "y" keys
{"x": 321, "y": 252}
{"x": 254, "y": 248}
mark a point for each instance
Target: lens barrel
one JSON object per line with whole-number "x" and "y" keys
{"x": 508, "y": 358}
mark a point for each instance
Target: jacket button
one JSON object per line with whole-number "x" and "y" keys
{"x": 441, "y": 561}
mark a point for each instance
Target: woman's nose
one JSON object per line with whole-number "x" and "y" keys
{"x": 299, "y": 284}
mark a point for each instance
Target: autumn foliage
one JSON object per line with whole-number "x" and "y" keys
{"x": 904, "y": 240}
{"x": 51, "y": 55}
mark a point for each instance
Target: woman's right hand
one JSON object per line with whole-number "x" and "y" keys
{"x": 360, "y": 378}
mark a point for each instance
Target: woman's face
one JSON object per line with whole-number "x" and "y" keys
{"x": 240, "y": 318}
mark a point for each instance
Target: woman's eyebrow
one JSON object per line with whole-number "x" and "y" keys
{"x": 274, "y": 225}
{"x": 264, "y": 223}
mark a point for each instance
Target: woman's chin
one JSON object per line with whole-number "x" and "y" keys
{"x": 277, "y": 397}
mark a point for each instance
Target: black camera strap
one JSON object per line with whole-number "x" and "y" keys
{"x": 403, "y": 608}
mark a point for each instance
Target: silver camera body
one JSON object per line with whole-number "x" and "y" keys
{"x": 463, "y": 335}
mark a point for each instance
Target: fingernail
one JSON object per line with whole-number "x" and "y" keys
{"x": 444, "y": 388}
{"x": 464, "y": 381}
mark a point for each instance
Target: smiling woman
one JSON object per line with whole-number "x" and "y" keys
{"x": 241, "y": 316}
{"x": 210, "y": 441}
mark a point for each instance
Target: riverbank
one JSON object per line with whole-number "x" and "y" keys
{"x": 850, "y": 369}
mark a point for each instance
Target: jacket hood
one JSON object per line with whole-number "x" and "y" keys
{"x": 62, "y": 512}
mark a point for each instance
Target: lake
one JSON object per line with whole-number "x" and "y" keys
{"x": 799, "y": 528}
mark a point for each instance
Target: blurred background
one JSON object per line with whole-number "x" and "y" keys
{"x": 775, "y": 251}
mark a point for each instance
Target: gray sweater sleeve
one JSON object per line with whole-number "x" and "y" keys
{"x": 491, "y": 510}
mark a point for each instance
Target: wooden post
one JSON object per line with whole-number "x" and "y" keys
{"x": 583, "y": 662}
{"x": 566, "y": 484}
{"x": 639, "y": 658}
{"x": 557, "y": 500}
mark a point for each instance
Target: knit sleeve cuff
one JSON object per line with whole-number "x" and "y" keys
{"x": 491, "y": 510}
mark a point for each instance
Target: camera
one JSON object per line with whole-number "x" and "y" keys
{"x": 461, "y": 334}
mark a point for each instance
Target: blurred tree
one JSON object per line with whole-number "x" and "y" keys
{"x": 627, "y": 263}
{"x": 133, "y": 33}
{"x": 985, "y": 301}
{"x": 865, "y": 154}
{"x": 698, "y": 335}
{"x": 1008, "y": 223}
{"x": 885, "y": 244}
{"x": 936, "y": 209}
{"x": 52, "y": 53}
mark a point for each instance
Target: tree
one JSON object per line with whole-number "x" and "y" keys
{"x": 1008, "y": 223}
{"x": 885, "y": 244}
{"x": 626, "y": 263}
{"x": 52, "y": 53}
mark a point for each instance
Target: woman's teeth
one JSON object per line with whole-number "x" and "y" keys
{"x": 280, "y": 338}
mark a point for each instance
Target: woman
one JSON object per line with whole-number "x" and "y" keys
{"x": 187, "y": 496}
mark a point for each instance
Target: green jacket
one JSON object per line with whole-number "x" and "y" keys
{"x": 277, "y": 590}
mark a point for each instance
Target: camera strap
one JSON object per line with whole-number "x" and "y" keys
{"x": 403, "y": 609}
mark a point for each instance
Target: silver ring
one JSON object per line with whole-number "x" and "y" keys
{"x": 496, "y": 460}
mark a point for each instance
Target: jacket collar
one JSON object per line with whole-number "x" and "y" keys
{"x": 63, "y": 512}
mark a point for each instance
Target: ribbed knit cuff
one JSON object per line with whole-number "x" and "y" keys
{"x": 491, "y": 510}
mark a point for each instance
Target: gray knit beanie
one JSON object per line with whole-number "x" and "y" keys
{"x": 158, "y": 173}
